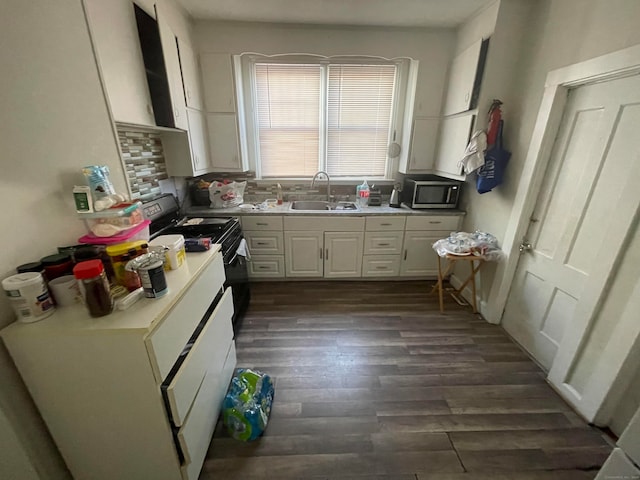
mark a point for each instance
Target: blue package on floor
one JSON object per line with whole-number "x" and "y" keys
{"x": 247, "y": 404}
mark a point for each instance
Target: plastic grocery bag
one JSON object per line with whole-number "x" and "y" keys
{"x": 226, "y": 194}
{"x": 247, "y": 404}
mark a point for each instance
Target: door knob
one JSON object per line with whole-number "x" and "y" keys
{"x": 525, "y": 246}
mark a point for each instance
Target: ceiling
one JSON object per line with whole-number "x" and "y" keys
{"x": 387, "y": 13}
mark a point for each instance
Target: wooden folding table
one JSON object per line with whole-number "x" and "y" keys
{"x": 451, "y": 262}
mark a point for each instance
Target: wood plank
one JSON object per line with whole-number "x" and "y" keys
{"x": 528, "y": 439}
{"x": 487, "y": 422}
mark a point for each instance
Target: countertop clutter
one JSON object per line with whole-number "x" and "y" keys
{"x": 144, "y": 386}
{"x": 285, "y": 209}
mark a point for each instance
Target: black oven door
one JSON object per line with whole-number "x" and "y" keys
{"x": 235, "y": 269}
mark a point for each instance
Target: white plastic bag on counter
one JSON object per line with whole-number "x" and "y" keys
{"x": 226, "y": 195}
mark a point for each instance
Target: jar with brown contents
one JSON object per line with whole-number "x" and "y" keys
{"x": 95, "y": 287}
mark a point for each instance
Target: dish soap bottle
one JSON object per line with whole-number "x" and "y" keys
{"x": 363, "y": 194}
{"x": 279, "y": 195}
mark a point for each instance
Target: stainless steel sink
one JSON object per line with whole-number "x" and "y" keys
{"x": 322, "y": 205}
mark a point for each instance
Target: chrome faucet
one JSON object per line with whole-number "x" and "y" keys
{"x": 313, "y": 181}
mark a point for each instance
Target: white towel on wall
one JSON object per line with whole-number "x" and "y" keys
{"x": 474, "y": 153}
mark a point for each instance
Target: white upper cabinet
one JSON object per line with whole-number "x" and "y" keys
{"x": 224, "y": 146}
{"x": 115, "y": 37}
{"x": 423, "y": 146}
{"x": 454, "y": 138}
{"x": 190, "y": 75}
{"x": 217, "y": 75}
{"x": 464, "y": 76}
{"x": 174, "y": 74}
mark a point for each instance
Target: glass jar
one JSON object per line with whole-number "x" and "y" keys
{"x": 94, "y": 287}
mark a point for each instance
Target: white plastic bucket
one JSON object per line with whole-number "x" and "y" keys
{"x": 28, "y": 296}
{"x": 175, "y": 256}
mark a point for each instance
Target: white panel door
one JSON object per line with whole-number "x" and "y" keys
{"x": 577, "y": 215}
{"x": 343, "y": 254}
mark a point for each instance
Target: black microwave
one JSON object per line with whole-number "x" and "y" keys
{"x": 432, "y": 193}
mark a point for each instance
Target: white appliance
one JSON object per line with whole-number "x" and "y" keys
{"x": 624, "y": 461}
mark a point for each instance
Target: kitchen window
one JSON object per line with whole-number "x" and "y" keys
{"x": 304, "y": 114}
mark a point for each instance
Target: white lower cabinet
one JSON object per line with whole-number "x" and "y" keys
{"x": 343, "y": 254}
{"x": 323, "y": 247}
{"x": 304, "y": 254}
{"x": 419, "y": 259}
{"x": 121, "y": 395}
{"x": 381, "y": 265}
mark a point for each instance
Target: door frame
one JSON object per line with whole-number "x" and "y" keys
{"x": 622, "y": 63}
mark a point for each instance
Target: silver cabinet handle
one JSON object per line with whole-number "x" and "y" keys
{"x": 383, "y": 244}
{"x": 263, "y": 267}
{"x": 405, "y": 254}
{"x": 320, "y": 253}
{"x": 385, "y": 224}
{"x": 262, "y": 224}
{"x": 327, "y": 254}
{"x": 381, "y": 268}
{"x": 434, "y": 222}
{"x": 262, "y": 243}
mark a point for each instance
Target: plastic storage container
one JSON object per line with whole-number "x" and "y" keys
{"x": 139, "y": 232}
{"x": 119, "y": 255}
{"x": 94, "y": 287}
{"x": 113, "y": 220}
{"x": 175, "y": 255}
{"x": 29, "y": 297}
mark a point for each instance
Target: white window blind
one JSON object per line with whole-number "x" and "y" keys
{"x": 288, "y": 118}
{"x": 360, "y": 104}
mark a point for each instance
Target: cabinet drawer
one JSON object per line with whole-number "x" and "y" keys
{"x": 380, "y": 265}
{"x": 207, "y": 353}
{"x": 195, "y": 435}
{"x": 267, "y": 243}
{"x": 384, "y": 223}
{"x": 381, "y": 243}
{"x": 433, "y": 222}
{"x": 326, "y": 224}
{"x": 166, "y": 342}
{"x": 266, "y": 266}
{"x": 261, "y": 222}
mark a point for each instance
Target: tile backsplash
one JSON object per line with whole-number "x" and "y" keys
{"x": 144, "y": 162}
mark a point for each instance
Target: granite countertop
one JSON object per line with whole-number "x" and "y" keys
{"x": 284, "y": 209}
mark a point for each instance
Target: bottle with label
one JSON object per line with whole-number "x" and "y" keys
{"x": 363, "y": 194}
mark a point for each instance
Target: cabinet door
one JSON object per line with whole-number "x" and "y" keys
{"x": 343, "y": 254}
{"x": 115, "y": 37}
{"x": 454, "y": 137}
{"x": 174, "y": 75}
{"x": 217, "y": 76}
{"x": 423, "y": 145}
{"x": 419, "y": 259}
{"x": 304, "y": 254}
{"x": 223, "y": 143}
{"x": 190, "y": 75}
{"x": 197, "y": 141}
{"x": 461, "y": 80}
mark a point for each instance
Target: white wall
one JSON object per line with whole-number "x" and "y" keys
{"x": 556, "y": 33}
{"x": 433, "y": 48}
{"x": 54, "y": 121}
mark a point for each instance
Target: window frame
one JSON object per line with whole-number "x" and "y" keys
{"x": 402, "y": 107}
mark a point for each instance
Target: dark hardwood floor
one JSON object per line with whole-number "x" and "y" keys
{"x": 373, "y": 382}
